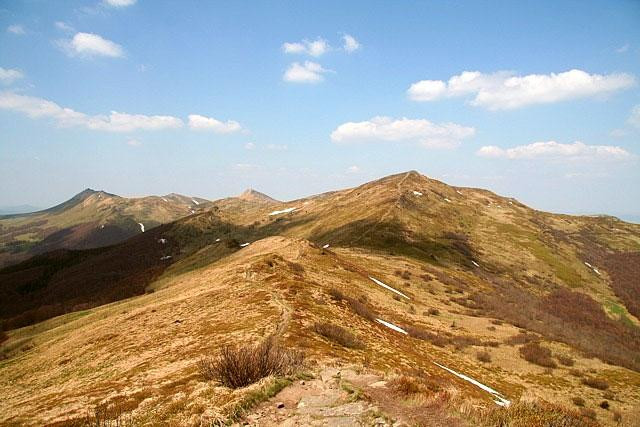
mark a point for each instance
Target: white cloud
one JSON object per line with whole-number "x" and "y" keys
{"x": 16, "y": 29}
{"x": 276, "y": 147}
{"x": 350, "y": 43}
{"x": 119, "y": 3}
{"x": 555, "y": 150}
{"x": 63, "y": 26}
{"x": 249, "y": 146}
{"x": 421, "y": 131}
{"x": 623, "y": 48}
{"x": 314, "y": 48}
{"x": 353, "y": 169}
{"x": 133, "y": 142}
{"x": 504, "y": 90}
{"x": 198, "y": 122}
{"x": 309, "y": 72}
{"x": 634, "y": 117}
{"x": 8, "y": 75}
{"x": 87, "y": 44}
{"x": 114, "y": 122}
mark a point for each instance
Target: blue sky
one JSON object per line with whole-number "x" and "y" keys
{"x": 539, "y": 101}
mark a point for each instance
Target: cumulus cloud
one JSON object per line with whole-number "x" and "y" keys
{"x": 314, "y": 48}
{"x": 114, "y": 122}
{"x": 8, "y": 75}
{"x": 634, "y": 117}
{"x": 87, "y": 44}
{"x": 350, "y": 43}
{"x": 421, "y": 131}
{"x": 119, "y": 3}
{"x": 16, "y": 29}
{"x": 63, "y": 26}
{"x": 555, "y": 150}
{"x": 198, "y": 122}
{"x": 249, "y": 146}
{"x": 504, "y": 90}
{"x": 309, "y": 72}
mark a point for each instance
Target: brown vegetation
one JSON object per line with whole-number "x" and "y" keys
{"x": 535, "y": 353}
{"x": 597, "y": 383}
{"x": 337, "y": 334}
{"x": 537, "y": 413}
{"x": 237, "y": 367}
{"x": 483, "y": 356}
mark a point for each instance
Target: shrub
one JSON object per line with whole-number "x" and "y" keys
{"x": 609, "y": 395}
{"x": 484, "y": 356}
{"x": 576, "y": 372}
{"x": 578, "y": 401}
{"x": 522, "y": 338}
{"x": 604, "y": 404}
{"x": 588, "y": 413}
{"x": 337, "y": 334}
{"x": 597, "y": 383}
{"x": 336, "y": 294}
{"x": 537, "y": 413}
{"x": 535, "y": 353}
{"x": 565, "y": 360}
{"x": 404, "y": 385}
{"x": 617, "y": 417}
{"x": 237, "y": 367}
{"x": 433, "y": 311}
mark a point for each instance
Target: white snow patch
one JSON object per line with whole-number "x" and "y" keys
{"x": 475, "y": 263}
{"x": 141, "y": 226}
{"x": 102, "y": 226}
{"x": 162, "y": 241}
{"x": 596, "y": 271}
{"x": 326, "y": 246}
{"x": 192, "y": 211}
{"x": 458, "y": 192}
{"x": 164, "y": 199}
{"x": 498, "y": 397}
{"x": 217, "y": 240}
{"x": 244, "y": 244}
{"x": 510, "y": 202}
{"x": 287, "y": 210}
{"x": 195, "y": 201}
{"x": 391, "y": 326}
{"x": 165, "y": 257}
{"x": 588, "y": 265}
{"x": 417, "y": 193}
{"x": 447, "y": 200}
{"x": 378, "y": 282}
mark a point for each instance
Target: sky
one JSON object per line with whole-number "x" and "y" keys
{"x": 534, "y": 100}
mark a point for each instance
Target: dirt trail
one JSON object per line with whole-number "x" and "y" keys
{"x": 285, "y": 315}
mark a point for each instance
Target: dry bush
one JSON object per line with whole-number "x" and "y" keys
{"x": 535, "y": 353}
{"x": 361, "y": 309}
{"x": 336, "y": 294}
{"x": 576, "y": 372}
{"x": 578, "y": 401}
{"x": 617, "y": 416}
{"x": 565, "y": 360}
{"x": 597, "y": 383}
{"x": 405, "y": 385}
{"x": 522, "y": 338}
{"x": 483, "y": 356}
{"x": 337, "y": 334}
{"x": 604, "y": 404}
{"x": 421, "y": 334}
{"x": 433, "y": 311}
{"x": 237, "y": 367}
{"x": 609, "y": 395}
{"x": 624, "y": 270}
{"x": 588, "y": 413}
{"x": 536, "y": 413}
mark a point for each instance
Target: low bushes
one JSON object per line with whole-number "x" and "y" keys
{"x": 538, "y": 413}
{"x": 237, "y": 367}
{"x": 596, "y": 383}
{"x": 484, "y": 356}
{"x": 337, "y": 334}
{"x": 535, "y": 353}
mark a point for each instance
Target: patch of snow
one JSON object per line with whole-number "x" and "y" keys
{"x": 164, "y": 199}
{"x": 141, "y": 226}
{"x": 378, "y": 282}
{"x": 447, "y": 200}
{"x": 325, "y": 246}
{"x": 244, "y": 244}
{"x": 596, "y": 271}
{"x": 458, "y": 192}
{"x": 475, "y": 263}
{"x": 195, "y": 201}
{"x": 162, "y": 241}
{"x": 165, "y": 257}
{"x": 499, "y": 398}
{"x": 287, "y": 210}
{"x": 417, "y": 193}
{"x": 217, "y": 240}
{"x": 192, "y": 211}
{"x": 102, "y": 226}
{"x": 510, "y": 202}
{"x": 391, "y": 326}
{"x": 588, "y": 265}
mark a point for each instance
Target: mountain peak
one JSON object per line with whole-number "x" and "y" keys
{"x": 252, "y": 195}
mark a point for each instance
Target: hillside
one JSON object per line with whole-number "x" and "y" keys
{"x": 429, "y": 279}
{"x": 90, "y": 219}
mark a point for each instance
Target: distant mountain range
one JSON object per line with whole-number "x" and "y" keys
{"x": 8, "y": 210}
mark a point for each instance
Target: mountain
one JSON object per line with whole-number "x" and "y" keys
{"x": 89, "y": 219}
{"x": 413, "y": 301}
{"x": 251, "y": 195}
{"x": 10, "y": 210}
